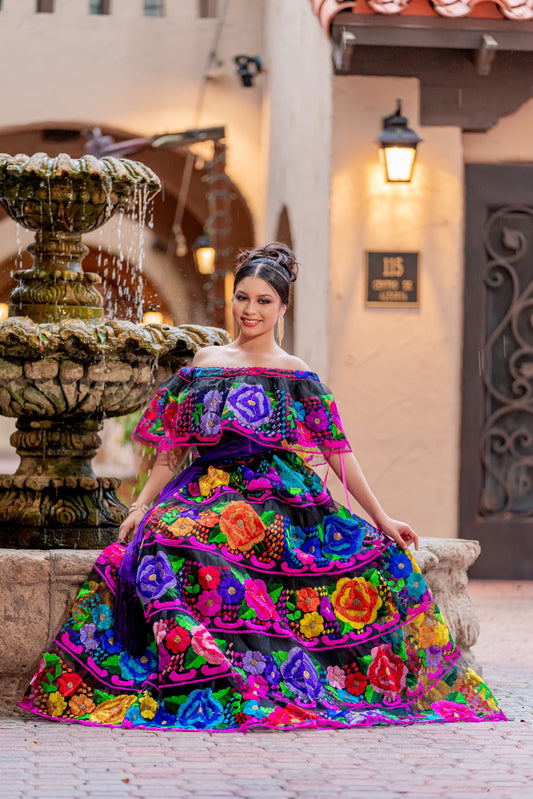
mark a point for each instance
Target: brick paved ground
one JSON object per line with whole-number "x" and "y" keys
{"x": 47, "y": 760}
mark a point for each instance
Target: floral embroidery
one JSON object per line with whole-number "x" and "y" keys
{"x": 155, "y": 577}
{"x": 250, "y": 404}
{"x": 356, "y": 601}
{"x": 242, "y": 526}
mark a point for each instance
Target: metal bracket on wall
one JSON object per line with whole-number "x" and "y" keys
{"x": 485, "y": 54}
{"x": 342, "y": 50}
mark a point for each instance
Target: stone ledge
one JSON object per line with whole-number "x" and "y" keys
{"x": 47, "y": 582}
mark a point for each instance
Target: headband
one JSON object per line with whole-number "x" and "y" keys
{"x": 277, "y": 266}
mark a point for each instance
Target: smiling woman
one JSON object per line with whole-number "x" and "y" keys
{"x": 248, "y": 597}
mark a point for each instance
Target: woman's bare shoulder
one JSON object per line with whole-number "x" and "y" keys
{"x": 294, "y": 363}
{"x": 216, "y": 355}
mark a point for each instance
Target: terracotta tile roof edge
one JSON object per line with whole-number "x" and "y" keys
{"x": 326, "y": 10}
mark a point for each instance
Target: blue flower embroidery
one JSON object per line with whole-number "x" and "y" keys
{"x": 415, "y": 585}
{"x": 137, "y": 669}
{"x": 201, "y": 710}
{"x": 154, "y": 577}
{"x": 300, "y": 674}
{"x": 103, "y": 617}
{"x": 400, "y": 566}
{"x": 342, "y": 537}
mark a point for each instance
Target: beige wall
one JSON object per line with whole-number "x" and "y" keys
{"x": 508, "y": 140}
{"x": 297, "y": 125}
{"x": 396, "y": 373}
{"x": 137, "y": 73}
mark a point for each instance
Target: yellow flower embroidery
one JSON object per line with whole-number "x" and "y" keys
{"x": 113, "y": 710}
{"x": 182, "y": 527}
{"x": 55, "y": 704}
{"x": 312, "y": 625}
{"x": 213, "y": 478}
{"x": 148, "y": 706}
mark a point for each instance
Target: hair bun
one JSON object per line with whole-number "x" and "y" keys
{"x": 279, "y": 255}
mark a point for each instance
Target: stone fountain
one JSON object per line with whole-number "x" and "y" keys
{"x": 63, "y": 367}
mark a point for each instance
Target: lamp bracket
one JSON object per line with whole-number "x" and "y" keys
{"x": 343, "y": 49}
{"x": 485, "y": 54}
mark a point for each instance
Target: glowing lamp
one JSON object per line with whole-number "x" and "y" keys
{"x": 397, "y": 147}
{"x": 152, "y": 318}
{"x": 4, "y": 311}
{"x": 204, "y": 255}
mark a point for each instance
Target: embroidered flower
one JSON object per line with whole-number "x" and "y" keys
{"x": 259, "y": 600}
{"x": 108, "y": 642}
{"x": 271, "y": 672}
{"x": 147, "y": 706}
{"x": 316, "y": 419}
{"x": 214, "y": 478}
{"x": 170, "y": 417}
{"x": 415, "y": 585}
{"x": 326, "y": 609}
{"x": 177, "y": 640}
{"x": 209, "y": 576}
{"x": 69, "y": 683}
{"x": 356, "y": 683}
{"x": 242, "y": 526}
{"x": 250, "y": 405}
{"x": 210, "y": 423}
{"x": 231, "y": 589}
{"x": 342, "y": 537}
{"x": 182, "y": 527}
{"x": 433, "y": 657}
{"x": 112, "y": 711}
{"x": 213, "y": 401}
{"x": 336, "y": 677}
{"x": 80, "y": 705}
{"x": 160, "y": 629}
{"x": 103, "y": 617}
{"x": 154, "y": 577}
{"x": 387, "y": 672}
{"x": 209, "y": 603}
{"x": 356, "y": 601}
{"x": 55, "y": 704}
{"x": 301, "y": 676}
{"x": 453, "y": 711}
{"x": 253, "y": 662}
{"x": 251, "y": 708}
{"x": 137, "y": 669}
{"x": 205, "y": 645}
{"x": 308, "y": 599}
{"x": 200, "y": 711}
{"x": 400, "y": 566}
{"x": 89, "y": 637}
{"x": 312, "y": 625}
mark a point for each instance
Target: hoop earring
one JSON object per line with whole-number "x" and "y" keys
{"x": 280, "y": 330}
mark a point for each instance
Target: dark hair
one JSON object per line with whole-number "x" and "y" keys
{"x": 275, "y": 264}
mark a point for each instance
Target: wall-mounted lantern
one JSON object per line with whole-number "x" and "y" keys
{"x": 397, "y": 147}
{"x": 204, "y": 255}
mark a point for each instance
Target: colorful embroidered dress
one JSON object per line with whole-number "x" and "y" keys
{"x": 256, "y": 600}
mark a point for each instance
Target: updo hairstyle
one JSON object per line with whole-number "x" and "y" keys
{"x": 275, "y": 264}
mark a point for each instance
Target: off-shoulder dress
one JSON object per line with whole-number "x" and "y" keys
{"x": 249, "y": 598}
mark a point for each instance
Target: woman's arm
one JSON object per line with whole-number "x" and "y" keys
{"x": 358, "y": 487}
{"x": 165, "y": 467}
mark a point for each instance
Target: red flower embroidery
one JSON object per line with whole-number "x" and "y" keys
{"x": 308, "y": 599}
{"x": 356, "y": 601}
{"x": 68, "y": 684}
{"x": 178, "y": 640}
{"x": 209, "y": 577}
{"x": 356, "y": 683}
{"x": 387, "y": 671}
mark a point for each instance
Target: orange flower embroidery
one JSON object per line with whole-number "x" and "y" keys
{"x": 356, "y": 601}
{"x": 81, "y": 704}
{"x": 242, "y": 526}
{"x": 308, "y": 599}
{"x": 182, "y": 527}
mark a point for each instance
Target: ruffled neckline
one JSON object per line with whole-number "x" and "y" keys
{"x": 223, "y": 371}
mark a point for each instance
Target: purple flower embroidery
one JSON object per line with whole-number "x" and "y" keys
{"x": 433, "y": 656}
{"x": 301, "y": 676}
{"x": 326, "y": 609}
{"x": 250, "y": 405}
{"x": 210, "y": 423}
{"x": 271, "y": 672}
{"x": 253, "y": 662}
{"x": 154, "y": 577}
{"x": 89, "y": 637}
{"x": 212, "y": 401}
{"x": 316, "y": 419}
{"x": 231, "y": 589}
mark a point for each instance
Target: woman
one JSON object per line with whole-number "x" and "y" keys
{"x": 248, "y": 598}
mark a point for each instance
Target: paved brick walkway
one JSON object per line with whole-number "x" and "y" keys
{"x": 47, "y": 760}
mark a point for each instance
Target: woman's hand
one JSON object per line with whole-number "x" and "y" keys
{"x": 400, "y": 532}
{"x": 129, "y": 525}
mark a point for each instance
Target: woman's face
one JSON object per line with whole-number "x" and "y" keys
{"x": 256, "y": 307}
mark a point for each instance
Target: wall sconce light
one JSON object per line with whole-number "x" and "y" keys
{"x": 4, "y": 311}
{"x": 152, "y": 318}
{"x": 204, "y": 255}
{"x": 397, "y": 147}
{"x": 247, "y": 68}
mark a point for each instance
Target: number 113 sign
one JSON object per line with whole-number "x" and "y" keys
{"x": 391, "y": 280}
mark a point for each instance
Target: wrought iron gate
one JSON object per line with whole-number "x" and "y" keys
{"x": 496, "y": 488}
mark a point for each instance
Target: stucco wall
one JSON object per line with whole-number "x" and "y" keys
{"x": 297, "y": 125}
{"x": 396, "y": 373}
{"x": 138, "y": 73}
{"x": 506, "y": 141}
